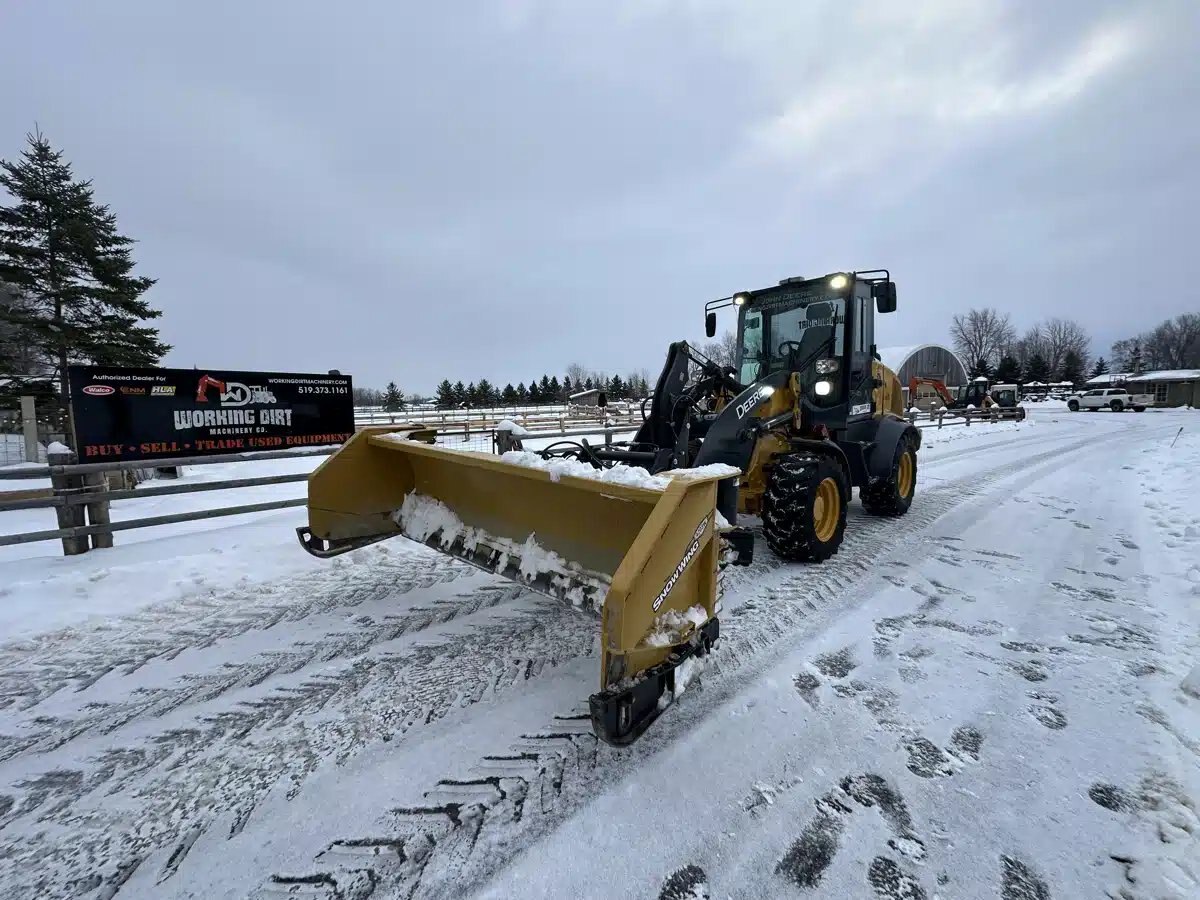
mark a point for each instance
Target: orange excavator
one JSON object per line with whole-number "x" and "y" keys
{"x": 927, "y": 390}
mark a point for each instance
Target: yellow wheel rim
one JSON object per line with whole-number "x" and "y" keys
{"x": 827, "y": 510}
{"x": 904, "y": 474}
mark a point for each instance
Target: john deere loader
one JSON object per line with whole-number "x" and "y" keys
{"x": 640, "y": 530}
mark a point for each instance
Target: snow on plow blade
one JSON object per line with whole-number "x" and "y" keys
{"x": 644, "y": 553}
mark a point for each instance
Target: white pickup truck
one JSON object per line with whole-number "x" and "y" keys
{"x": 1116, "y": 399}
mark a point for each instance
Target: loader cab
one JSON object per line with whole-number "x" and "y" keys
{"x": 822, "y": 329}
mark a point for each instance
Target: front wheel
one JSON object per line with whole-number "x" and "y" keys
{"x": 1073, "y": 405}
{"x": 892, "y": 496}
{"x": 804, "y": 507}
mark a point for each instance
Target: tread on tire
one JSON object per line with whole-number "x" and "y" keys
{"x": 788, "y": 521}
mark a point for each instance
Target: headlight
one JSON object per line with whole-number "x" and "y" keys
{"x": 823, "y": 388}
{"x": 740, "y": 299}
{"x": 839, "y": 281}
{"x": 828, "y": 366}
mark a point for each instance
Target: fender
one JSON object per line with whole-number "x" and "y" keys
{"x": 887, "y": 437}
{"x": 826, "y": 448}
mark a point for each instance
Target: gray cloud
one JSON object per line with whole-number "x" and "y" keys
{"x": 500, "y": 189}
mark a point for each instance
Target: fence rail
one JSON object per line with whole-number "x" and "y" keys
{"x": 81, "y": 489}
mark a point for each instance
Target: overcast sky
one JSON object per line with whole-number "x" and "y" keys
{"x": 413, "y": 191}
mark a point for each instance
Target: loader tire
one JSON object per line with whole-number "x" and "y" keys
{"x": 804, "y": 507}
{"x": 892, "y": 496}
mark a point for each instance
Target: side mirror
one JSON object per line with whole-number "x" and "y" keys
{"x": 710, "y": 324}
{"x": 884, "y": 293}
{"x": 602, "y": 399}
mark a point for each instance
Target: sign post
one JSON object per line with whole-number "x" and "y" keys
{"x": 155, "y": 414}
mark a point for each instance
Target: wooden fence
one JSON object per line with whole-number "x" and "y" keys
{"x": 80, "y": 493}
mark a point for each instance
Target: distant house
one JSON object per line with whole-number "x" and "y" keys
{"x": 1172, "y": 387}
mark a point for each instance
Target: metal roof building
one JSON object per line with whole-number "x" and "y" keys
{"x": 925, "y": 361}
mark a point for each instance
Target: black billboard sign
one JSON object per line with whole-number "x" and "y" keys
{"x": 130, "y": 414}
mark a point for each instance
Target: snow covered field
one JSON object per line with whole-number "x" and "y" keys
{"x": 996, "y": 696}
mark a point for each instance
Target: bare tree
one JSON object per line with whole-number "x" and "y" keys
{"x": 1175, "y": 344}
{"x": 982, "y": 334}
{"x": 723, "y": 350}
{"x": 1030, "y": 344}
{"x": 1065, "y": 336}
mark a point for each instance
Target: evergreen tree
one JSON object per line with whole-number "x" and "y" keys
{"x": 472, "y": 394}
{"x": 487, "y": 393}
{"x": 567, "y": 388}
{"x": 522, "y": 393}
{"x": 445, "y": 394}
{"x": 1038, "y": 369}
{"x": 980, "y": 367}
{"x": 1072, "y": 368}
{"x": 555, "y": 388}
{"x": 1009, "y": 370}
{"x": 60, "y": 248}
{"x": 1100, "y": 368}
{"x": 544, "y": 389}
{"x": 616, "y": 388}
{"x": 535, "y": 392}
{"x": 393, "y": 399}
{"x": 460, "y": 393}
{"x": 589, "y": 384}
{"x": 509, "y": 395}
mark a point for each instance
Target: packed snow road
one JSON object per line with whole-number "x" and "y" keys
{"x": 992, "y": 697}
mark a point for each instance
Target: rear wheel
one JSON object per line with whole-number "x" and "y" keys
{"x": 804, "y": 508}
{"x": 1139, "y": 409}
{"x": 1073, "y": 405}
{"x": 1117, "y": 406}
{"x": 892, "y": 496}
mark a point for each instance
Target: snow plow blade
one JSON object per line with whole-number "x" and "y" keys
{"x": 645, "y": 558}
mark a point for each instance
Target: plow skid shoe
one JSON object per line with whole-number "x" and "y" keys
{"x": 645, "y": 559}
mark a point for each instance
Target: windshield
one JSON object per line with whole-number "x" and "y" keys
{"x": 774, "y": 340}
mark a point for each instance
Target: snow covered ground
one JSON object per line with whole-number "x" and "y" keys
{"x": 995, "y": 696}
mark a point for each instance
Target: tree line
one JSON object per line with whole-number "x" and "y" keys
{"x": 1172, "y": 344}
{"x": 546, "y": 389}
{"x": 1059, "y": 349}
{"x": 1053, "y": 350}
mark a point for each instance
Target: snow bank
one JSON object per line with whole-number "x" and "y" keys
{"x": 672, "y": 626}
{"x": 421, "y": 518}
{"x": 58, "y": 447}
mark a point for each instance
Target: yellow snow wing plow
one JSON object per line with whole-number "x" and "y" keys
{"x": 642, "y": 550}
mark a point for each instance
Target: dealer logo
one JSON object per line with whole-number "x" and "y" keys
{"x": 99, "y": 390}
{"x": 231, "y": 393}
{"x": 162, "y": 390}
{"x": 133, "y": 391}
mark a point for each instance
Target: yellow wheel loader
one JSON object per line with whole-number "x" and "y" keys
{"x": 639, "y": 530}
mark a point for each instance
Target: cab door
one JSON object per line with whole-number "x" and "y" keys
{"x": 861, "y": 313}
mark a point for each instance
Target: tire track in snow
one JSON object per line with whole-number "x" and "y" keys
{"x": 76, "y": 659}
{"x": 202, "y": 688}
{"x": 185, "y": 781}
{"x": 475, "y": 824}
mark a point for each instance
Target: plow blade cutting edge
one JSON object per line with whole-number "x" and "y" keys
{"x": 645, "y": 558}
